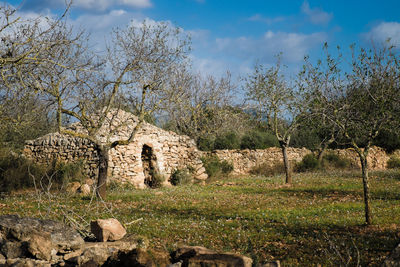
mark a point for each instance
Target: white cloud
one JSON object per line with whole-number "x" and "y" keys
{"x": 294, "y": 46}
{"x": 267, "y": 20}
{"x": 89, "y": 5}
{"x": 105, "y": 4}
{"x": 383, "y": 32}
{"x": 316, "y": 15}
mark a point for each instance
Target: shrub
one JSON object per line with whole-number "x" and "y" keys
{"x": 228, "y": 140}
{"x": 157, "y": 180}
{"x": 181, "y": 177}
{"x": 393, "y": 162}
{"x": 63, "y": 173}
{"x": 215, "y": 167}
{"x": 205, "y": 144}
{"x": 258, "y": 140}
{"x": 266, "y": 169}
{"x": 308, "y": 163}
{"x": 335, "y": 161}
{"x": 17, "y": 172}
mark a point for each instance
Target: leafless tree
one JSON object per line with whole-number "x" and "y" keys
{"x": 141, "y": 60}
{"x": 277, "y": 103}
{"x": 201, "y": 107}
{"x": 361, "y": 102}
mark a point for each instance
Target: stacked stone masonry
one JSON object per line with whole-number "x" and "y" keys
{"x": 166, "y": 152}
{"x": 244, "y": 161}
{"x": 169, "y": 151}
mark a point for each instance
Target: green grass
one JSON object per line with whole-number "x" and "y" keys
{"x": 310, "y": 222}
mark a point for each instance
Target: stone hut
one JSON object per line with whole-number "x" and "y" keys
{"x": 153, "y": 150}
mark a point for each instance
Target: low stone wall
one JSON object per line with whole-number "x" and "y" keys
{"x": 65, "y": 148}
{"x": 245, "y": 160}
{"x": 377, "y": 157}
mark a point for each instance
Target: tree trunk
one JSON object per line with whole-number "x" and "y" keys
{"x": 321, "y": 153}
{"x": 59, "y": 114}
{"x": 286, "y": 163}
{"x": 364, "y": 170}
{"x": 101, "y": 189}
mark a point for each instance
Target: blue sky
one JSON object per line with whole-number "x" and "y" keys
{"x": 231, "y": 35}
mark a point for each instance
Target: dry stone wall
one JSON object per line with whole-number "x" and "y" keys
{"x": 167, "y": 151}
{"x": 377, "y": 157}
{"x": 64, "y": 148}
{"x": 244, "y": 161}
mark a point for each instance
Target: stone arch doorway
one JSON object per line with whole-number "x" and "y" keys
{"x": 149, "y": 164}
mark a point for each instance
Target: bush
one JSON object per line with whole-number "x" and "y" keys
{"x": 17, "y": 172}
{"x": 266, "y": 169}
{"x": 181, "y": 177}
{"x": 335, "y": 161}
{"x": 63, "y": 173}
{"x": 308, "y": 163}
{"x": 393, "y": 162}
{"x": 258, "y": 140}
{"x": 215, "y": 167}
{"x": 205, "y": 144}
{"x": 228, "y": 140}
{"x": 157, "y": 180}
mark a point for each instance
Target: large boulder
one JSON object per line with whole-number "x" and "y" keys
{"x": 98, "y": 253}
{"x": 35, "y": 238}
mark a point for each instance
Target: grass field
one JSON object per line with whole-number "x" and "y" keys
{"x": 317, "y": 220}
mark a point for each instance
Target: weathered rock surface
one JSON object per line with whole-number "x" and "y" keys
{"x": 107, "y": 229}
{"x": 29, "y": 242}
{"x": 200, "y": 256}
{"x": 97, "y": 254}
{"x": 85, "y": 189}
{"x": 29, "y": 237}
{"x": 141, "y": 257}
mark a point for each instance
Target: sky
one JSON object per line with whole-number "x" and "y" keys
{"x": 233, "y": 35}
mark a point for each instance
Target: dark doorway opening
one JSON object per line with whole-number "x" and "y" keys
{"x": 149, "y": 165}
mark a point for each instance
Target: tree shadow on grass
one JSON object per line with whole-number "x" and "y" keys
{"x": 321, "y": 192}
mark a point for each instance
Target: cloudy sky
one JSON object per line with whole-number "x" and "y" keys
{"x": 233, "y": 35}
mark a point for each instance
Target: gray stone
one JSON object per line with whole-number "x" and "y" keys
{"x": 30, "y": 236}
{"x": 99, "y": 253}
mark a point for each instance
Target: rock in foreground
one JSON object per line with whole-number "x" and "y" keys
{"x": 107, "y": 230}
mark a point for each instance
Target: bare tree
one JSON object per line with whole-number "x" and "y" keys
{"x": 277, "y": 103}
{"x": 362, "y": 102}
{"x": 23, "y": 44}
{"x": 45, "y": 57}
{"x": 201, "y": 107}
{"x": 314, "y": 79}
{"x": 141, "y": 60}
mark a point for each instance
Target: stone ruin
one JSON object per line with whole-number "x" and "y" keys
{"x": 153, "y": 150}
